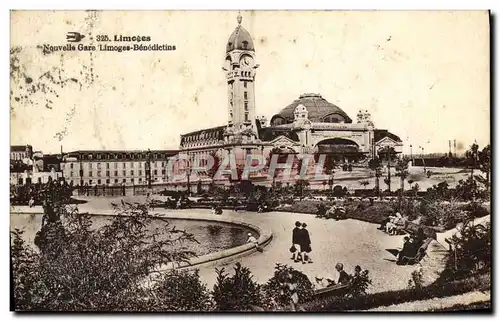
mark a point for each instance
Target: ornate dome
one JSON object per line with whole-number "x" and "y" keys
{"x": 318, "y": 108}
{"x": 240, "y": 39}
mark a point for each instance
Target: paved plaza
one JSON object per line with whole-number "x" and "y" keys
{"x": 350, "y": 242}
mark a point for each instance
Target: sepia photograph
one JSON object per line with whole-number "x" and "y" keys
{"x": 250, "y": 161}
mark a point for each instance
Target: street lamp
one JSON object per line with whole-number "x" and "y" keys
{"x": 81, "y": 172}
{"x": 423, "y": 159}
{"x": 148, "y": 168}
{"x": 411, "y": 154}
{"x": 188, "y": 174}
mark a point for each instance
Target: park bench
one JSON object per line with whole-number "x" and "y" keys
{"x": 421, "y": 253}
{"x": 332, "y": 290}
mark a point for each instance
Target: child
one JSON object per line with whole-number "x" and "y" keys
{"x": 253, "y": 240}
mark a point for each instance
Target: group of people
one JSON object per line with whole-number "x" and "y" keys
{"x": 344, "y": 277}
{"x": 301, "y": 244}
{"x": 336, "y": 212}
{"x": 393, "y": 224}
{"x": 412, "y": 250}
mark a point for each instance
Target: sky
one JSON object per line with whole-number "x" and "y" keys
{"x": 422, "y": 75}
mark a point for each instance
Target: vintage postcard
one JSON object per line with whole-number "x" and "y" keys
{"x": 250, "y": 161}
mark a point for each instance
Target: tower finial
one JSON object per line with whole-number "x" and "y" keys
{"x": 239, "y": 18}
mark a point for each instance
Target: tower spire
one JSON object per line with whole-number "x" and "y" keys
{"x": 239, "y": 18}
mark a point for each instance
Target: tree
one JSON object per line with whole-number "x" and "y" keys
{"x": 96, "y": 269}
{"x": 388, "y": 152}
{"x": 300, "y": 186}
{"x": 330, "y": 165}
{"x": 485, "y": 162}
{"x": 401, "y": 168}
{"x": 375, "y": 165}
{"x": 472, "y": 156}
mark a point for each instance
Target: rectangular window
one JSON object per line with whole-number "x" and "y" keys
{"x": 107, "y": 181}
{"x": 132, "y": 173}
{"x": 245, "y": 84}
{"x": 116, "y": 180}
{"x": 246, "y": 116}
{"x": 98, "y": 173}
{"x": 155, "y": 172}
{"x": 116, "y": 173}
{"x": 245, "y": 95}
{"x": 246, "y": 105}
{"x": 71, "y": 165}
{"x": 124, "y": 173}
{"x": 124, "y": 180}
{"x": 71, "y": 174}
{"x": 90, "y": 182}
{"x": 123, "y": 165}
{"x": 116, "y": 165}
{"x": 140, "y": 172}
{"x": 131, "y": 180}
{"x": 107, "y": 165}
{"x": 98, "y": 182}
{"x": 107, "y": 173}
{"x": 140, "y": 180}
{"x": 90, "y": 173}
{"x": 163, "y": 172}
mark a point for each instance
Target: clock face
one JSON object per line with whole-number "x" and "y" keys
{"x": 246, "y": 61}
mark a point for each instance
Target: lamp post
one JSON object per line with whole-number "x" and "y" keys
{"x": 81, "y": 172}
{"x": 188, "y": 174}
{"x": 148, "y": 168}
{"x": 423, "y": 159}
{"x": 411, "y": 154}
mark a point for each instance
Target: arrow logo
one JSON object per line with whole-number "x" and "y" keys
{"x": 74, "y": 37}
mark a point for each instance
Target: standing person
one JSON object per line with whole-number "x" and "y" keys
{"x": 296, "y": 241}
{"x": 31, "y": 202}
{"x": 306, "y": 245}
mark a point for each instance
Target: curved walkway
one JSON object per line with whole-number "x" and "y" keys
{"x": 350, "y": 242}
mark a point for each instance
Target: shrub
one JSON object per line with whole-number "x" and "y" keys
{"x": 480, "y": 282}
{"x": 417, "y": 279}
{"x": 94, "y": 269}
{"x": 237, "y": 292}
{"x": 181, "y": 291}
{"x": 277, "y": 291}
{"x": 359, "y": 283}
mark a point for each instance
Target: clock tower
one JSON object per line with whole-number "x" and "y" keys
{"x": 240, "y": 70}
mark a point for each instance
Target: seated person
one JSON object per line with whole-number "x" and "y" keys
{"x": 420, "y": 236}
{"x": 344, "y": 278}
{"x": 406, "y": 250}
{"x": 390, "y": 227}
{"x": 384, "y": 223}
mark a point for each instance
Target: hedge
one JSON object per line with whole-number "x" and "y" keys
{"x": 480, "y": 282}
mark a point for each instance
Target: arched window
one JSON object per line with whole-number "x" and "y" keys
{"x": 333, "y": 118}
{"x": 278, "y": 121}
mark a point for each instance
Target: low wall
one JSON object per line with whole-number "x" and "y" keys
{"x": 221, "y": 257}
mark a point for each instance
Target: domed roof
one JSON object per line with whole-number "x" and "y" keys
{"x": 240, "y": 39}
{"x": 317, "y": 108}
